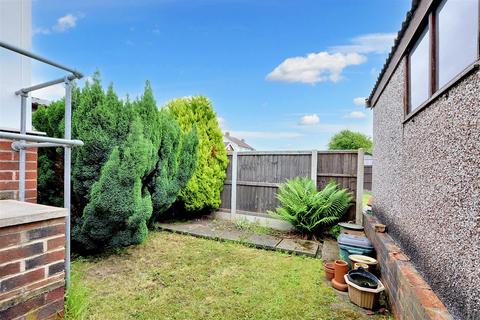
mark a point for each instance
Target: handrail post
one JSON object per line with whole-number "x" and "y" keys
{"x": 66, "y": 176}
{"x": 360, "y": 176}
{"x": 22, "y": 152}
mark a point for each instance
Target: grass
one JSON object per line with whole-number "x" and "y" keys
{"x": 252, "y": 227}
{"x": 76, "y": 299}
{"x": 174, "y": 276}
{"x": 366, "y": 195}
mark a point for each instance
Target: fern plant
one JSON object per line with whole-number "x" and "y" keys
{"x": 308, "y": 210}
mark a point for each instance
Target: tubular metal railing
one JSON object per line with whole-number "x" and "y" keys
{"x": 20, "y": 143}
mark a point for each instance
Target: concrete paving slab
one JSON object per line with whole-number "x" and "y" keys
{"x": 264, "y": 241}
{"x": 232, "y": 235}
{"x": 305, "y": 247}
{"x": 330, "y": 250}
{"x": 208, "y": 229}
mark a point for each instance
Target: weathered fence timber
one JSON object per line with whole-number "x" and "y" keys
{"x": 367, "y": 185}
{"x": 253, "y": 177}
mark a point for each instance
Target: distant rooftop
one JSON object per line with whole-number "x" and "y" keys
{"x": 235, "y": 144}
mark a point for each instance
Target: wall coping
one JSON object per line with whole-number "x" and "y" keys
{"x": 14, "y": 212}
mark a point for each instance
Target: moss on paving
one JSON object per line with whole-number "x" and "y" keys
{"x": 175, "y": 276}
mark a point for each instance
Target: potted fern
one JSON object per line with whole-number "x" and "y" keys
{"x": 308, "y": 210}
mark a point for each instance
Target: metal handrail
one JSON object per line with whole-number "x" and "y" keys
{"x": 34, "y": 56}
{"x": 20, "y": 140}
{"x": 35, "y": 138}
{"x": 25, "y": 91}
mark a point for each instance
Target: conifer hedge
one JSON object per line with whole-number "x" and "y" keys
{"x": 119, "y": 209}
{"x": 203, "y": 190}
{"x": 134, "y": 163}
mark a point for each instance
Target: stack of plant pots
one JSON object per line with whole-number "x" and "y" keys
{"x": 341, "y": 269}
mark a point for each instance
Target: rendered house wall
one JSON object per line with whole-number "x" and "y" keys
{"x": 15, "y": 70}
{"x": 426, "y": 186}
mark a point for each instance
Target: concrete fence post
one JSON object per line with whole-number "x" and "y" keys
{"x": 360, "y": 176}
{"x": 233, "y": 206}
{"x": 313, "y": 170}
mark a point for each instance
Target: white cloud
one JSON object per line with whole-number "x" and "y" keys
{"x": 315, "y": 67}
{"x": 309, "y": 120}
{"x": 66, "y": 22}
{"x": 63, "y": 24}
{"x": 359, "y": 101}
{"x": 368, "y": 43}
{"x": 356, "y": 115}
{"x": 266, "y": 134}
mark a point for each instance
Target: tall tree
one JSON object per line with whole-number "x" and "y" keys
{"x": 177, "y": 157}
{"x": 204, "y": 188}
{"x": 95, "y": 123}
{"x": 349, "y": 140}
{"x": 119, "y": 209}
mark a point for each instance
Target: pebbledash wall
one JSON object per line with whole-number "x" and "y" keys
{"x": 9, "y": 173}
{"x": 426, "y": 186}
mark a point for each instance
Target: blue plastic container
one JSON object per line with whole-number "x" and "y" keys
{"x": 350, "y": 244}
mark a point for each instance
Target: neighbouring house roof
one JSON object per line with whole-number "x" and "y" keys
{"x": 232, "y": 141}
{"x": 396, "y": 43}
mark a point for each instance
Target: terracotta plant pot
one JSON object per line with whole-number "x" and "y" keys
{"x": 329, "y": 268}
{"x": 341, "y": 269}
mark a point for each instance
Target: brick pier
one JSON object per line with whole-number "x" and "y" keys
{"x": 32, "y": 258}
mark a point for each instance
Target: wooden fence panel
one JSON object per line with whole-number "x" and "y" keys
{"x": 367, "y": 182}
{"x": 259, "y": 175}
{"x": 226, "y": 194}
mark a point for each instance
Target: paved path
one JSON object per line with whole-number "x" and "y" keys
{"x": 209, "y": 229}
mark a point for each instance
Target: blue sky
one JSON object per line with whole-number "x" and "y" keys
{"x": 283, "y": 74}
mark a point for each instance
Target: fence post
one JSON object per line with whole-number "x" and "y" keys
{"x": 313, "y": 170}
{"x": 233, "y": 198}
{"x": 360, "y": 175}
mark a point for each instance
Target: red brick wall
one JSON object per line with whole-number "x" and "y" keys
{"x": 410, "y": 295}
{"x": 9, "y": 173}
{"x": 32, "y": 258}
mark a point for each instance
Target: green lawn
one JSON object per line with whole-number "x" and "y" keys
{"x": 174, "y": 276}
{"x": 366, "y": 195}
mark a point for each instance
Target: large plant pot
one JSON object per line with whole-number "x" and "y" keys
{"x": 341, "y": 269}
{"x": 363, "y": 297}
{"x": 329, "y": 268}
{"x": 369, "y": 261}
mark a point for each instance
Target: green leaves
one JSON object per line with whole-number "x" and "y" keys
{"x": 310, "y": 211}
{"x": 134, "y": 163}
{"x": 177, "y": 157}
{"x": 204, "y": 188}
{"x": 349, "y": 140}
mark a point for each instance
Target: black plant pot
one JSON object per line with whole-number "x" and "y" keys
{"x": 363, "y": 278}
